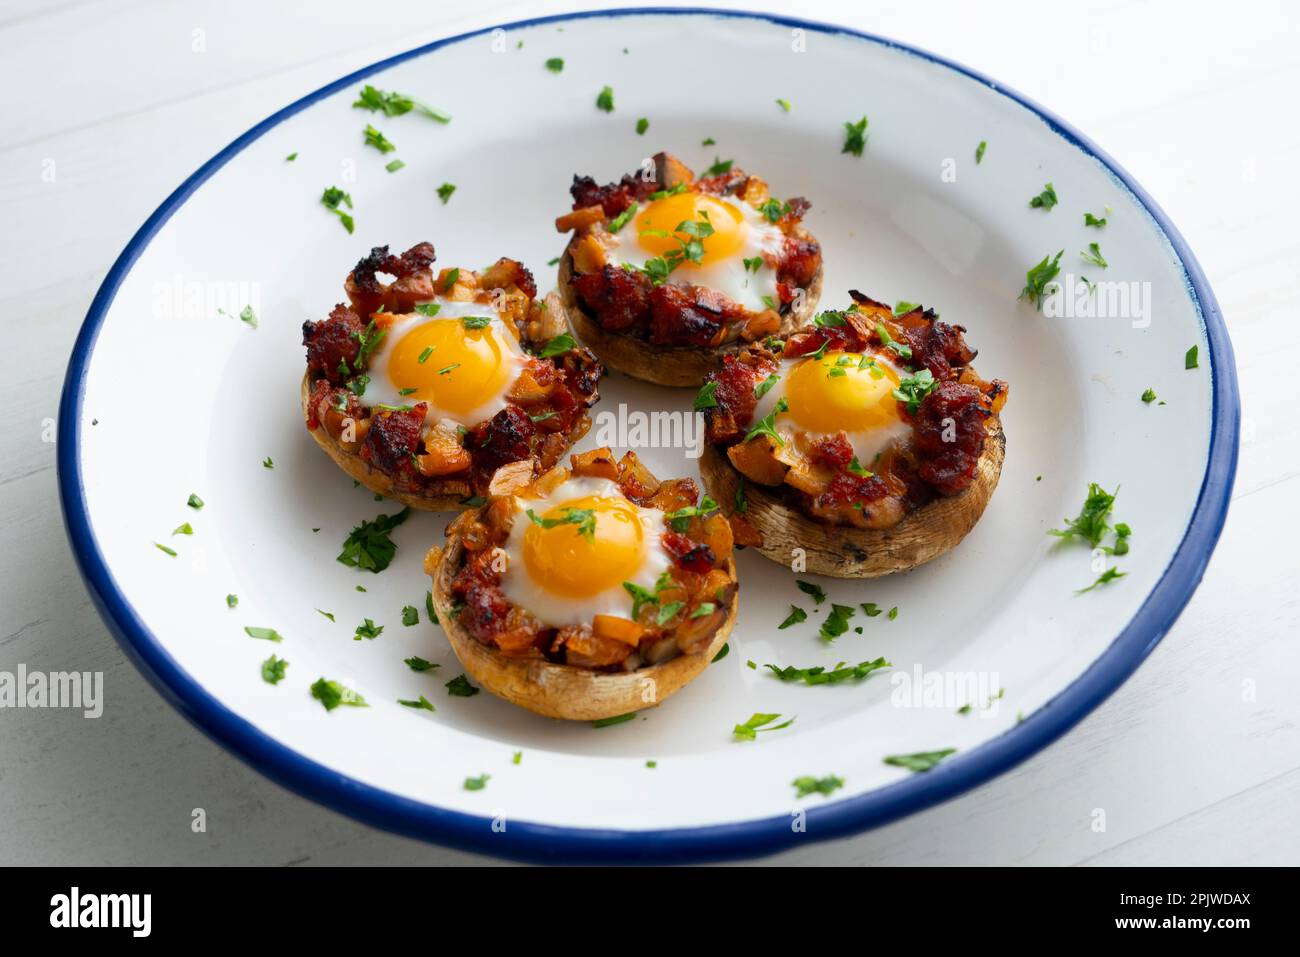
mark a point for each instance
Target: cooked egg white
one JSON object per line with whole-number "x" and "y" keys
{"x": 740, "y": 232}
{"x": 839, "y": 392}
{"x": 574, "y": 569}
{"x": 462, "y": 361}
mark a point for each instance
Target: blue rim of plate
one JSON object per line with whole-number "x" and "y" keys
{"x": 544, "y": 843}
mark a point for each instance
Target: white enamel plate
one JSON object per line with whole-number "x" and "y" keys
{"x": 996, "y": 624}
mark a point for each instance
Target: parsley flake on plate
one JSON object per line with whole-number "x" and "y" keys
{"x": 1039, "y": 278}
{"x": 1046, "y": 199}
{"x": 478, "y": 783}
{"x": 368, "y": 546}
{"x": 395, "y": 104}
{"x": 836, "y": 623}
{"x": 273, "y": 670}
{"x": 855, "y": 137}
{"x": 331, "y": 694}
{"x": 920, "y": 761}
{"x": 1090, "y": 525}
{"x": 616, "y": 719}
{"x": 266, "y": 634}
{"x": 807, "y": 785}
{"x": 979, "y": 151}
{"x": 421, "y": 702}
{"x": 555, "y": 64}
{"x": 605, "y": 99}
{"x": 459, "y": 687}
{"x": 818, "y": 675}
{"x": 758, "y": 722}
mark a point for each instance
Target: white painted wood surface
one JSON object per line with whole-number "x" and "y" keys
{"x": 1196, "y": 760}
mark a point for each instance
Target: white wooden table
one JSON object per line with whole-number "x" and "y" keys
{"x": 1196, "y": 760}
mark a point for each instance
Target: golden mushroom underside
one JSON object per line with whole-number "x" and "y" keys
{"x": 844, "y": 551}
{"x": 555, "y": 690}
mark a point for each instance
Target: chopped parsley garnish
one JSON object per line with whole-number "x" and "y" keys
{"x": 394, "y": 166}
{"x": 836, "y": 623}
{"x": 616, "y": 719}
{"x": 784, "y": 104}
{"x": 668, "y": 612}
{"x": 555, "y": 64}
{"x": 807, "y": 785}
{"x": 584, "y": 518}
{"x": 273, "y": 670}
{"x": 326, "y": 614}
{"x": 445, "y": 191}
{"x": 758, "y": 722}
{"x": 476, "y": 322}
{"x": 820, "y": 676}
{"x": 459, "y": 687}
{"x": 395, "y": 104}
{"x": 1038, "y": 278}
{"x": 855, "y": 137}
{"x": 266, "y": 634}
{"x": 753, "y": 265}
{"x": 368, "y": 629}
{"x": 184, "y": 528}
{"x": 368, "y": 546}
{"x": 706, "y": 398}
{"x": 164, "y": 548}
{"x": 767, "y": 425}
{"x": 742, "y": 503}
{"x": 901, "y": 350}
{"x": 641, "y": 597}
{"x": 478, "y": 783}
{"x": 623, "y": 218}
{"x": 914, "y": 388}
{"x": 703, "y": 609}
{"x": 1149, "y": 396}
{"x": 558, "y": 346}
{"x": 331, "y": 198}
{"x": 690, "y": 249}
{"x": 428, "y": 607}
{"x": 719, "y": 167}
{"x": 194, "y": 502}
{"x": 1091, "y": 220}
{"x": 903, "y": 307}
{"x": 979, "y": 151}
{"x": 828, "y": 319}
{"x": 1091, "y": 524}
{"x": 517, "y": 757}
{"x": 1190, "y": 359}
{"x": 681, "y": 518}
{"x": 1093, "y": 255}
{"x": 764, "y": 387}
{"x": 421, "y": 702}
{"x": 452, "y": 276}
{"x": 232, "y": 601}
{"x": 605, "y": 99}
{"x": 893, "y": 613}
{"x": 871, "y": 609}
{"x": 267, "y": 463}
{"x": 641, "y": 126}
{"x": 710, "y": 141}
{"x": 921, "y": 761}
{"x": 811, "y": 589}
{"x": 416, "y": 663}
{"x": 796, "y": 615}
{"x": 291, "y": 157}
{"x": 1046, "y": 199}
{"x": 248, "y": 317}
{"x": 378, "y": 140}
{"x": 1109, "y": 575}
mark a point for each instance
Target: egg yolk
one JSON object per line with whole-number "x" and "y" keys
{"x": 592, "y": 544}
{"x": 449, "y": 365}
{"x": 841, "y": 391}
{"x": 657, "y": 224}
